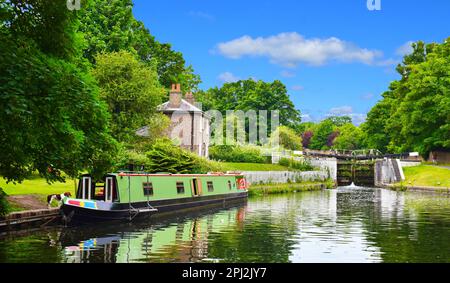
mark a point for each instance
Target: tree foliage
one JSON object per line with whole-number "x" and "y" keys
{"x": 109, "y": 26}
{"x": 236, "y": 154}
{"x": 320, "y": 139}
{"x": 349, "y": 137}
{"x": 131, "y": 91}
{"x": 247, "y": 95}
{"x": 414, "y": 114}
{"x": 52, "y": 119}
{"x": 164, "y": 157}
{"x": 288, "y": 138}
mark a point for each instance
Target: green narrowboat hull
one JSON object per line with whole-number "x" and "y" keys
{"x": 128, "y": 196}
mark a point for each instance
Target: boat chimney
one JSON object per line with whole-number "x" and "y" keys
{"x": 175, "y": 96}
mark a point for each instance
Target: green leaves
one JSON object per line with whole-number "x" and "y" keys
{"x": 130, "y": 89}
{"x": 109, "y": 26}
{"x": 414, "y": 114}
{"x": 54, "y": 120}
{"x": 165, "y": 157}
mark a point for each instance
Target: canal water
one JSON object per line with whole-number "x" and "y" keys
{"x": 344, "y": 225}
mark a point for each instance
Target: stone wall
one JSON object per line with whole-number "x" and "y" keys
{"x": 388, "y": 171}
{"x": 282, "y": 177}
{"x": 327, "y": 165}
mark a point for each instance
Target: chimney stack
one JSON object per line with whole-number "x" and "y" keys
{"x": 190, "y": 98}
{"x": 175, "y": 96}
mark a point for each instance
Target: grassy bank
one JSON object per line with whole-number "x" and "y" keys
{"x": 32, "y": 193}
{"x": 271, "y": 189}
{"x": 253, "y": 167}
{"x": 37, "y": 186}
{"x": 427, "y": 176}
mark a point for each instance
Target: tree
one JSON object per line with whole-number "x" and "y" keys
{"x": 324, "y": 130}
{"x": 414, "y": 114}
{"x": 249, "y": 95}
{"x": 340, "y": 120}
{"x": 288, "y": 138}
{"x": 306, "y": 138}
{"x": 349, "y": 137}
{"x": 109, "y": 26}
{"x": 131, "y": 91}
{"x": 52, "y": 119}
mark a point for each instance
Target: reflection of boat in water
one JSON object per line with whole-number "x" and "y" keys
{"x": 171, "y": 239}
{"x": 124, "y": 196}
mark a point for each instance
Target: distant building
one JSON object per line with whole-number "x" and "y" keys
{"x": 190, "y": 125}
{"x": 439, "y": 156}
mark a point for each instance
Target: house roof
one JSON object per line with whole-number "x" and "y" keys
{"x": 184, "y": 106}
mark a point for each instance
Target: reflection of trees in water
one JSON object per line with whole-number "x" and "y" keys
{"x": 409, "y": 227}
{"x": 265, "y": 236}
{"x": 40, "y": 247}
{"x": 183, "y": 240}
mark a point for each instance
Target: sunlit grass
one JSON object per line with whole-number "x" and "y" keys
{"x": 37, "y": 186}
{"x": 426, "y": 175}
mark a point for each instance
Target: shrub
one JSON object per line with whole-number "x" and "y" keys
{"x": 131, "y": 157}
{"x": 287, "y": 138}
{"x": 236, "y": 154}
{"x": 165, "y": 157}
{"x": 4, "y": 207}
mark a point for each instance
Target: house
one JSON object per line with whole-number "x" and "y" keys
{"x": 190, "y": 125}
{"x": 440, "y": 156}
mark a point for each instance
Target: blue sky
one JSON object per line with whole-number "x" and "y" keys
{"x": 335, "y": 57}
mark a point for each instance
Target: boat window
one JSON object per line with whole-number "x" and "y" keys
{"x": 180, "y": 188}
{"x": 210, "y": 187}
{"x": 229, "y": 185}
{"x": 148, "y": 189}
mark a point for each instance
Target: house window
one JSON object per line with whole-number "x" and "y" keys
{"x": 210, "y": 187}
{"x": 180, "y": 188}
{"x": 148, "y": 189}
{"x": 229, "y": 185}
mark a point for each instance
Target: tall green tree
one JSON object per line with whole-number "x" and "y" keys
{"x": 249, "y": 95}
{"x": 323, "y": 131}
{"x": 414, "y": 114}
{"x": 350, "y": 137}
{"x": 109, "y": 26}
{"x": 52, "y": 119}
{"x": 131, "y": 90}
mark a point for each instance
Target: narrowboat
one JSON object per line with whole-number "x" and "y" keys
{"x": 127, "y": 195}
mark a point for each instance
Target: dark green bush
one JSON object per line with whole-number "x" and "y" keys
{"x": 4, "y": 207}
{"x": 166, "y": 157}
{"x": 236, "y": 154}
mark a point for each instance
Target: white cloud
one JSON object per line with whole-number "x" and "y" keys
{"x": 297, "y": 88}
{"x": 405, "y": 49}
{"x": 287, "y": 74}
{"x": 357, "y": 118}
{"x": 344, "y": 110}
{"x": 292, "y": 49}
{"x": 307, "y": 118}
{"x": 228, "y": 77}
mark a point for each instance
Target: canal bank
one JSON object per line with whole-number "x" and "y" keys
{"x": 356, "y": 225}
{"x": 422, "y": 189}
{"x": 274, "y": 189}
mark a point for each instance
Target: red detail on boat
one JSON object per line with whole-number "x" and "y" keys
{"x": 73, "y": 202}
{"x": 242, "y": 184}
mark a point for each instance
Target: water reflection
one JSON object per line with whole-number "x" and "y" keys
{"x": 344, "y": 225}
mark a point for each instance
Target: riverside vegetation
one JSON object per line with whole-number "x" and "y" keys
{"x": 92, "y": 79}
